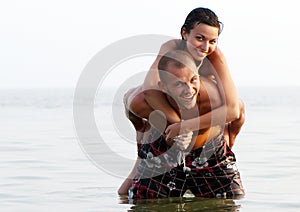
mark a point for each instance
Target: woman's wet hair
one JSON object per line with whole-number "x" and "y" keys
{"x": 201, "y": 15}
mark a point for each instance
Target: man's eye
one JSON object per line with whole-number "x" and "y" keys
{"x": 194, "y": 79}
{"x": 199, "y": 38}
{"x": 178, "y": 84}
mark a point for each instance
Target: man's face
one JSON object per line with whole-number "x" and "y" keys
{"x": 183, "y": 85}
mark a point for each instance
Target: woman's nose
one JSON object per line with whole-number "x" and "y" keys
{"x": 204, "y": 46}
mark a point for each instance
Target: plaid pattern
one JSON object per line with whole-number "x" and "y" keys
{"x": 211, "y": 171}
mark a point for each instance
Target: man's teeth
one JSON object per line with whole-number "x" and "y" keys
{"x": 189, "y": 97}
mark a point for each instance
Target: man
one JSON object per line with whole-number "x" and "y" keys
{"x": 200, "y": 161}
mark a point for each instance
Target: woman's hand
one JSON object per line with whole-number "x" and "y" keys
{"x": 176, "y": 129}
{"x": 173, "y": 130}
{"x": 183, "y": 141}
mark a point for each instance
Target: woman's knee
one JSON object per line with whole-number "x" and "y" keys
{"x": 139, "y": 106}
{"x": 242, "y": 110}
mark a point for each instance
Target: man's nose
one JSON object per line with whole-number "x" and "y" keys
{"x": 188, "y": 88}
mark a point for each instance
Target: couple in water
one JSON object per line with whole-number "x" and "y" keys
{"x": 190, "y": 85}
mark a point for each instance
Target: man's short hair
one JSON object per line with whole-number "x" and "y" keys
{"x": 177, "y": 58}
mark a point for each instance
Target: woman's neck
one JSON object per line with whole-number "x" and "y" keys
{"x": 198, "y": 64}
{"x": 182, "y": 46}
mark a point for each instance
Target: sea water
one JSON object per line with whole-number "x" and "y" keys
{"x": 45, "y": 166}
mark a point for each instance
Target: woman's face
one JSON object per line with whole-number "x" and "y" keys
{"x": 201, "y": 41}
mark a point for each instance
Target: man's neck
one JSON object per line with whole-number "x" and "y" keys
{"x": 184, "y": 113}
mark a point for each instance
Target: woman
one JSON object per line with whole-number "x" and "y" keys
{"x": 199, "y": 38}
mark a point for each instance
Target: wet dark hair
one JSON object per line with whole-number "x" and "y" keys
{"x": 201, "y": 15}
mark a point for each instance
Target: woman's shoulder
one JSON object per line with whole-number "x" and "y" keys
{"x": 173, "y": 42}
{"x": 170, "y": 45}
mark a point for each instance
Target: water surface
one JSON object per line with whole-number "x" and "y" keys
{"x": 44, "y": 168}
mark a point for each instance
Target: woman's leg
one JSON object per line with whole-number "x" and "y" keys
{"x": 136, "y": 108}
{"x": 233, "y": 128}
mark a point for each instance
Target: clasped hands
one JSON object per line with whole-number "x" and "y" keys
{"x": 177, "y": 134}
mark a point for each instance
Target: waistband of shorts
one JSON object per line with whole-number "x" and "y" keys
{"x": 217, "y": 137}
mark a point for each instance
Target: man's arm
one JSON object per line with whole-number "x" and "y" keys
{"x": 123, "y": 190}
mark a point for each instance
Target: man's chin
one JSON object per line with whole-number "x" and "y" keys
{"x": 187, "y": 106}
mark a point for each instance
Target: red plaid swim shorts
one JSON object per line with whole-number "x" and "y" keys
{"x": 209, "y": 171}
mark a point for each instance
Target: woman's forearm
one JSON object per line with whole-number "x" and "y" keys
{"x": 215, "y": 117}
{"x": 205, "y": 121}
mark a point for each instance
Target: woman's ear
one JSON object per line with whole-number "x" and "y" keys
{"x": 184, "y": 34}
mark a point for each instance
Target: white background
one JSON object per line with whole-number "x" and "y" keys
{"x": 48, "y": 43}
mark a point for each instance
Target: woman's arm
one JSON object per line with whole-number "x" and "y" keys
{"x": 207, "y": 120}
{"x": 227, "y": 112}
{"x": 225, "y": 84}
{"x": 153, "y": 96}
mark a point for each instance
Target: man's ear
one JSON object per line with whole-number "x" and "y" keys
{"x": 162, "y": 86}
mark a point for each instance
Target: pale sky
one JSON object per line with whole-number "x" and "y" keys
{"x": 48, "y": 43}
